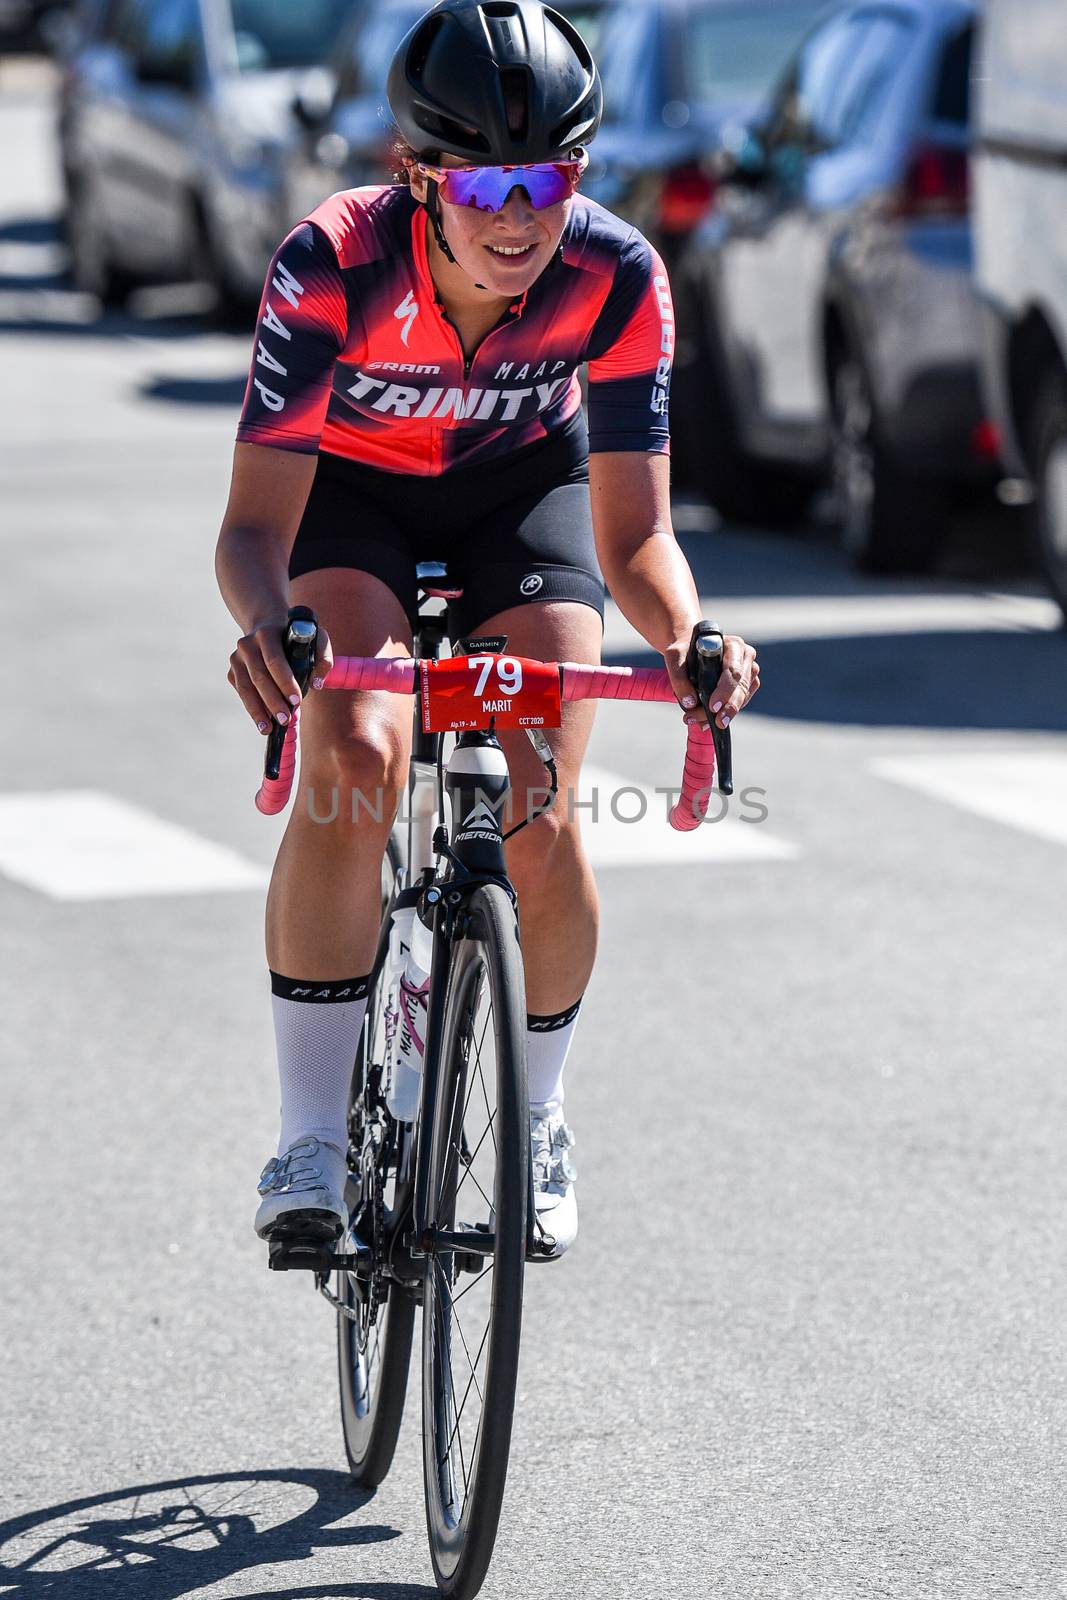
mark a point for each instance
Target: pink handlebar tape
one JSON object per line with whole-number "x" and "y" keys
{"x": 397, "y": 676}
{"x": 652, "y": 683}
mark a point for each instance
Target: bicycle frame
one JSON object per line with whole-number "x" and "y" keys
{"x": 477, "y": 785}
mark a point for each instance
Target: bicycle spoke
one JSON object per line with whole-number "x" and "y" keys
{"x": 485, "y": 1094}
{"x": 468, "y": 1165}
{"x": 473, "y": 1283}
{"x": 467, "y": 1391}
{"x": 463, "y": 1341}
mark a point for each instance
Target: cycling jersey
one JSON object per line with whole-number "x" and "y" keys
{"x": 355, "y": 357}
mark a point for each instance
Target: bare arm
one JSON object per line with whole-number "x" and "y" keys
{"x": 268, "y": 493}
{"x": 649, "y": 578}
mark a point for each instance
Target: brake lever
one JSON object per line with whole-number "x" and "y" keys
{"x": 300, "y": 642}
{"x": 704, "y": 667}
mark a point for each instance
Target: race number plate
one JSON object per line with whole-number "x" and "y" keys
{"x": 467, "y": 692}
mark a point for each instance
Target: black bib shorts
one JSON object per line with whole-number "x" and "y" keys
{"x": 512, "y": 532}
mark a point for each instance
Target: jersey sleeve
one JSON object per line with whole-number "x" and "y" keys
{"x": 630, "y": 354}
{"x": 301, "y": 331}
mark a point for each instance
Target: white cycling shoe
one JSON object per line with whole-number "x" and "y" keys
{"x": 303, "y": 1193}
{"x": 555, "y": 1202}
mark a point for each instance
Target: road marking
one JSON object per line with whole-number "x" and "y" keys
{"x": 650, "y": 841}
{"x": 1023, "y": 791}
{"x": 81, "y": 845}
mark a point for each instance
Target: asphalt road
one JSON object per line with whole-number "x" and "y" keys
{"x": 810, "y": 1343}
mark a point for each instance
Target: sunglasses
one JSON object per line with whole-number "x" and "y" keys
{"x": 488, "y": 188}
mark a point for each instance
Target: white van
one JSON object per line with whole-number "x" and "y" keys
{"x": 1021, "y": 237}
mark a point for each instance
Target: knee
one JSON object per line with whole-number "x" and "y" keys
{"x": 366, "y": 771}
{"x": 549, "y": 846}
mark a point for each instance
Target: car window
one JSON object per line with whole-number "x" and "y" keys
{"x": 372, "y": 48}
{"x": 279, "y": 33}
{"x": 952, "y": 91}
{"x": 738, "y": 52}
{"x": 837, "y": 89}
{"x": 162, "y": 37}
{"x": 629, "y": 63}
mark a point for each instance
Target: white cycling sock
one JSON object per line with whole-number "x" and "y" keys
{"x": 548, "y": 1043}
{"x": 316, "y": 1028}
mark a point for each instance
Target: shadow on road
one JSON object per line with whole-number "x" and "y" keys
{"x": 980, "y": 681}
{"x": 162, "y": 1540}
{"x": 228, "y": 392}
{"x": 36, "y": 296}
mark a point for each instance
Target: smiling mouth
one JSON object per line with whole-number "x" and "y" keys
{"x": 511, "y": 252}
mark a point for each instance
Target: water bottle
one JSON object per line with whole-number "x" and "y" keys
{"x": 410, "y": 946}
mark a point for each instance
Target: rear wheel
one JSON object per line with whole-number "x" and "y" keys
{"x": 890, "y": 521}
{"x": 375, "y": 1329}
{"x": 1049, "y": 454}
{"x": 472, "y": 1298}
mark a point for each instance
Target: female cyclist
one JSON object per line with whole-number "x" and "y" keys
{"x": 414, "y": 395}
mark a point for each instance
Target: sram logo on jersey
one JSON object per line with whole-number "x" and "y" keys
{"x": 438, "y": 402}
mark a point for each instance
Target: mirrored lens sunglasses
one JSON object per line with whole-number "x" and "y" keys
{"x": 488, "y": 188}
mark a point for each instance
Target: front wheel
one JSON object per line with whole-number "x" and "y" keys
{"x": 472, "y": 1297}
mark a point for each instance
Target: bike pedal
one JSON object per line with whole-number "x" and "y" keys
{"x": 304, "y": 1242}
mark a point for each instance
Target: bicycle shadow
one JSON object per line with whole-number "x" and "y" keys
{"x": 159, "y": 1541}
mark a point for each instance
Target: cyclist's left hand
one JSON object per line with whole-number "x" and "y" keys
{"x": 739, "y": 681}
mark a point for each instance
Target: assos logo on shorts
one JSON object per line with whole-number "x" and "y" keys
{"x": 532, "y": 584}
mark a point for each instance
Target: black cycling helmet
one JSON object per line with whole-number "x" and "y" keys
{"x": 496, "y": 83}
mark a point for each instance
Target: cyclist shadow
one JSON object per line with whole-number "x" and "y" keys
{"x": 159, "y": 1541}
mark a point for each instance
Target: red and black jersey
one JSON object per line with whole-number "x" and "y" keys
{"x": 355, "y": 357}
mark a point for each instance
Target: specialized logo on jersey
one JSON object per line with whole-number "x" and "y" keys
{"x": 407, "y": 309}
{"x": 532, "y": 584}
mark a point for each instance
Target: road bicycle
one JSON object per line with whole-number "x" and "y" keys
{"x": 441, "y": 1207}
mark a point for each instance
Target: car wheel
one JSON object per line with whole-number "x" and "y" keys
{"x": 92, "y": 269}
{"x": 890, "y": 521}
{"x": 1049, "y": 515}
{"x": 235, "y": 309}
{"x": 739, "y": 488}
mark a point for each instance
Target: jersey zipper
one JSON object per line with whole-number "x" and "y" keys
{"x": 468, "y": 361}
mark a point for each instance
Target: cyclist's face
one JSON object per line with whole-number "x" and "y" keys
{"x": 477, "y": 237}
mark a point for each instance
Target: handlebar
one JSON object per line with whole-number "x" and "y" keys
{"x": 706, "y": 747}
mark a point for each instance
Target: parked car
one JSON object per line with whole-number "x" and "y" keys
{"x": 832, "y": 289}
{"x": 675, "y": 72}
{"x": 1021, "y": 225}
{"x": 27, "y": 24}
{"x": 172, "y": 118}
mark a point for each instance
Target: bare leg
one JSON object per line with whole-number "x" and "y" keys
{"x": 324, "y": 905}
{"x": 558, "y": 902}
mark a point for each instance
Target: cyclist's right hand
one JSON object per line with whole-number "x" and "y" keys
{"x": 262, "y": 676}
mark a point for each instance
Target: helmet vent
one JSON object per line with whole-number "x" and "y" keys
{"x": 420, "y": 50}
{"x": 447, "y": 133}
{"x": 515, "y": 82}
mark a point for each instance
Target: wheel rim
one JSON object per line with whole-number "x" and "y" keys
{"x": 853, "y": 454}
{"x": 459, "y": 1293}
